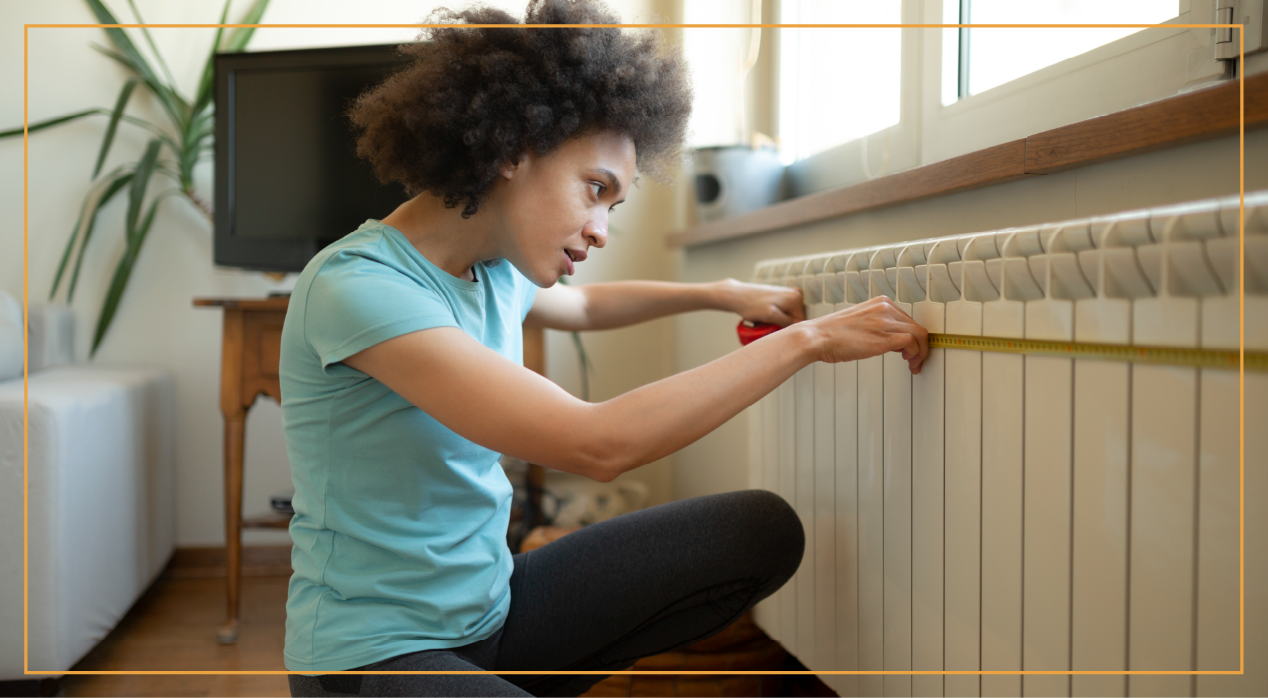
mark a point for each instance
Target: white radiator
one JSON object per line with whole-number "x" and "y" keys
{"x": 1003, "y": 512}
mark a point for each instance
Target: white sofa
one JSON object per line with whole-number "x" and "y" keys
{"x": 100, "y": 493}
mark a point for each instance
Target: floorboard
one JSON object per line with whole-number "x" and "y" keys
{"x": 173, "y": 628}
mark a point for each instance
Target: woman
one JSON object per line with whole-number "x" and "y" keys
{"x": 402, "y": 376}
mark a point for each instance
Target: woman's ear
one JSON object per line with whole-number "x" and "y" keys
{"x": 509, "y": 168}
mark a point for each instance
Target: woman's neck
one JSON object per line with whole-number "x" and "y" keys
{"x": 451, "y": 242}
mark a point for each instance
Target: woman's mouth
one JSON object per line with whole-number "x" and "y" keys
{"x": 572, "y": 258}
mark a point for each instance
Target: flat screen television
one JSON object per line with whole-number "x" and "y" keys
{"x": 287, "y": 178}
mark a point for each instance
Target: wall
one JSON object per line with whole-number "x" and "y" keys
{"x": 718, "y": 462}
{"x": 156, "y": 325}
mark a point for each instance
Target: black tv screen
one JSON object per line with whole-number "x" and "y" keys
{"x": 288, "y": 180}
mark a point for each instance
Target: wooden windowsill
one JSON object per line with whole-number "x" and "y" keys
{"x": 1186, "y": 118}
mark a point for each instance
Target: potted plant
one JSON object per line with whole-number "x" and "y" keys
{"x": 172, "y": 152}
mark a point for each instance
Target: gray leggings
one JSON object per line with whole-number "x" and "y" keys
{"x": 602, "y": 597}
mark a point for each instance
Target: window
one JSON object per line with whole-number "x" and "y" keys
{"x": 837, "y": 85}
{"x": 1025, "y": 81}
{"x": 853, "y": 104}
{"x": 989, "y": 57}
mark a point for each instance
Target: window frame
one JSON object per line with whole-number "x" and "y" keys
{"x": 1116, "y": 76}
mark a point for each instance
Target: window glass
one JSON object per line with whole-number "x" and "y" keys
{"x": 716, "y": 57}
{"x": 996, "y": 56}
{"x": 836, "y": 85}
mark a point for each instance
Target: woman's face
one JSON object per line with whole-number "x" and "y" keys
{"x": 554, "y": 208}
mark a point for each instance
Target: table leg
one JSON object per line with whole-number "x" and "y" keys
{"x": 235, "y": 431}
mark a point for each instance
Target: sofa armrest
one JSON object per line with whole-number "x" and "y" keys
{"x": 100, "y": 506}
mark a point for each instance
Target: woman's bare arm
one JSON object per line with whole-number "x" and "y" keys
{"x": 498, "y": 404}
{"x": 606, "y": 306}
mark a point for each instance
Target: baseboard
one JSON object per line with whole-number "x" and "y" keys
{"x": 209, "y": 562}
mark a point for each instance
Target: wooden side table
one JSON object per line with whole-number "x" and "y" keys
{"x": 250, "y": 349}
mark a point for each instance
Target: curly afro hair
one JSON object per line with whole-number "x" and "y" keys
{"x": 474, "y": 99}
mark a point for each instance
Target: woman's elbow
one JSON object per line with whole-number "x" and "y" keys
{"x": 604, "y": 458}
{"x": 603, "y": 473}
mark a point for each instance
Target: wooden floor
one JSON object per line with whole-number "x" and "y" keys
{"x": 173, "y": 628}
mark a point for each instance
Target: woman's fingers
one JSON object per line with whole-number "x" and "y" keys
{"x": 784, "y": 316}
{"x": 777, "y": 305}
{"x": 782, "y": 306}
{"x": 918, "y": 349}
{"x": 914, "y": 352}
{"x": 792, "y": 305}
{"x": 875, "y": 327}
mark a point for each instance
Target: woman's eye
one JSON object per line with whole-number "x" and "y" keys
{"x": 598, "y": 188}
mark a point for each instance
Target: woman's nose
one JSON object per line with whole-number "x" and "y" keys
{"x": 596, "y": 232}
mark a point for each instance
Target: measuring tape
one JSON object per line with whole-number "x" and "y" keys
{"x": 1172, "y": 356}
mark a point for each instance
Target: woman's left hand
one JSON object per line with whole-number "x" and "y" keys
{"x": 778, "y": 305}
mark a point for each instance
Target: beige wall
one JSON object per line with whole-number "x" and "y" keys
{"x": 156, "y": 326}
{"x": 719, "y": 461}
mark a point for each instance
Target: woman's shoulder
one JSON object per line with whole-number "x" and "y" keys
{"x": 364, "y": 254}
{"x": 367, "y": 245}
{"x": 363, "y": 274}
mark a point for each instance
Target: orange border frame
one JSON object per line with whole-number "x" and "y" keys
{"x": 1241, "y": 292}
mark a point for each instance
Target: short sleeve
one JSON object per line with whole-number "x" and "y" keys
{"x": 356, "y": 302}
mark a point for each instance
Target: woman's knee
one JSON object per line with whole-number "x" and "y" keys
{"x": 768, "y": 529}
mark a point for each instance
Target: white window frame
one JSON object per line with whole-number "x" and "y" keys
{"x": 1143, "y": 67}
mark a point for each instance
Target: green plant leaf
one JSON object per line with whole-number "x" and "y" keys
{"x": 126, "y": 49}
{"x": 153, "y": 129}
{"x": 239, "y": 37}
{"x": 167, "y": 73}
{"x": 40, "y": 125}
{"x": 205, "y": 124}
{"x": 70, "y": 245}
{"x": 192, "y": 151}
{"x": 158, "y": 132}
{"x": 115, "y": 182}
{"x": 207, "y": 82}
{"x": 119, "y": 282}
{"x": 170, "y": 172}
{"x": 136, "y": 193}
{"x": 173, "y": 104}
{"x": 48, "y": 123}
{"x": 189, "y": 160}
{"x": 123, "y": 272}
{"x": 122, "y": 102}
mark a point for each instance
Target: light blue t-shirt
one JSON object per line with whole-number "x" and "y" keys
{"x": 400, "y": 524}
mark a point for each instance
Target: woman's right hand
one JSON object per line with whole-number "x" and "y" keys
{"x": 868, "y": 329}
